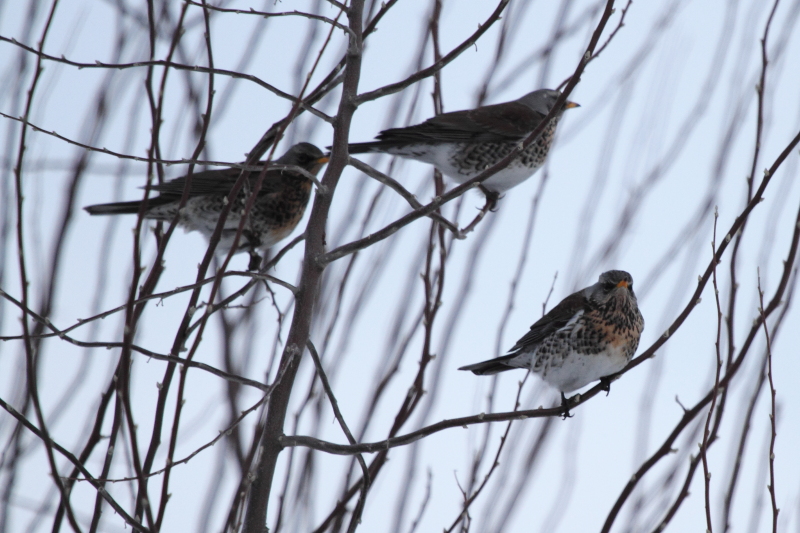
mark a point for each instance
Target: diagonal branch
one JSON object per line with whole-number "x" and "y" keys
{"x": 135, "y": 524}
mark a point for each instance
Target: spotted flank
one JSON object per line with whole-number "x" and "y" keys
{"x": 589, "y": 335}
{"x": 462, "y": 144}
{"x": 278, "y": 208}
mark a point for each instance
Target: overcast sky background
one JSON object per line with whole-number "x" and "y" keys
{"x": 667, "y": 127}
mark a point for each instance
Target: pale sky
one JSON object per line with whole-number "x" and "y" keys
{"x": 665, "y": 133}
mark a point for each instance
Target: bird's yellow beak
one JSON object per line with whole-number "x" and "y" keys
{"x": 622, "y": 283}
{"x": 324, "y": 159}
{"x": 570, "y": 105}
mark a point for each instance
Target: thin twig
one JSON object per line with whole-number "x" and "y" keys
{"x": 365, "y": 480}
{"x": 267, "y": 14}
{"x": 167, "y": 64}
{"x": 730, "y": 372}
{"x": 471, "y": 499}
{"x": 772, "y": 421}
{"x": 135, "y": 524}
{"x": 402, "y": 191}
{"x": 438, "y": 65}
{"x": 610, "y": 38}
{"x": 31, "y": 355}
{"x": 706, "y": 431}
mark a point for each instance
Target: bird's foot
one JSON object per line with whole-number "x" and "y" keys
{"x": 565, "y": 406}
{"x": 255, "y": 261}
{"x": 492, "y": 198}
{"x": 605, "y": 384}
{"x": 491, "y": 204}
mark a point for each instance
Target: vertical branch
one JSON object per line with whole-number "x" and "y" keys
{"x": 463, "y": 516}
{"x": 433, "y": 276}
{"x": 308, "y": 289}
{"x": 179, "y": 401}
{"x": 12, "y": 451}
{"x": 112, "y": 441}
{"x": 433, "y": 25}
{"x": 728, "y": 499}
{"x": 134, "y": 312}
{"x": 715, "y": 390}
{"x": 253, "y": 156}
{"x": 31, "y": 355}
{"x": 773, "y": 435}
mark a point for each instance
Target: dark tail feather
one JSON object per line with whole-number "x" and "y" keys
{"x": 118, "y": 208}
{"x": 364, "y": 148}
{"x": 492, "y": 366}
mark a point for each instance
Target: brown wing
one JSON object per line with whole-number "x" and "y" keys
{"x": 557, "y": 318}
{"x": 509, "y": 121}
{"x": 216, "y": 182}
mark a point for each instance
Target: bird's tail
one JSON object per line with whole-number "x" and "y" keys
{"x": 492, "y": 366}
{"x": 364, "y": 148}
{"x": 117, "y": 208}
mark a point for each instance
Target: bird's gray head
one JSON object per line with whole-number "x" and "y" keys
{"x": 612, "y": 283}
{"x": 304, "y": 155}
{"x": 543, "y": 100}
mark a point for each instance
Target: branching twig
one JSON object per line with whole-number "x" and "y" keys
{"x": 365, "y": 480}
{"x": 135, "y": 524}
{"x": 402, "y": 191}
{"x": 167, "y": 64}
{"x": 438, "y": 65}
{"x": 267, "y": 14}
{"x": 731, "y": 371}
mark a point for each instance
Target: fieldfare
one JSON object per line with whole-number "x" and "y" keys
{"x": 462, "y": 144}
{"x": 589, "y": 335}
{"x": 277, "y": 210}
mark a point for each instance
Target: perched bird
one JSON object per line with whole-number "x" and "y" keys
{"x": 462, "y": 144}
{"x": 589, "y": 335}
{"x": 277, "y": 210}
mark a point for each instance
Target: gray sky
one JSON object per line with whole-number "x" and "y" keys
{"x": 665, "y": 133}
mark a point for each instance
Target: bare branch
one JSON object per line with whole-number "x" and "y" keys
{"x": 774, "y": 433}
{"x": 135, "y": 524}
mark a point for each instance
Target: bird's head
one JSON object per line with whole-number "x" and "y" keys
{"x": 543, "y": 100}
{"x": 612, "y": 284}
{"x": 304, "y": 155}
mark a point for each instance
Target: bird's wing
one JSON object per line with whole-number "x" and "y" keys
{"x": 559, "y": 317}
{"x": 218, "y": 181}
{"x": 509, "y": 121}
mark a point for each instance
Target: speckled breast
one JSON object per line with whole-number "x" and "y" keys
{"x": 275, "y": 216}
{"x": 470, "y": 158}
{"x": 618, "y": 327}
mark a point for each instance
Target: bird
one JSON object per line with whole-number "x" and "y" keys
{"x": 589, "y": 335}
{"x": 279, "y": 207}
{"x": 462, "y": 144}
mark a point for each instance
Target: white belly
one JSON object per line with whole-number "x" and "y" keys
{"x": 576, "y": 370}
{"x": 439, "y": 156}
